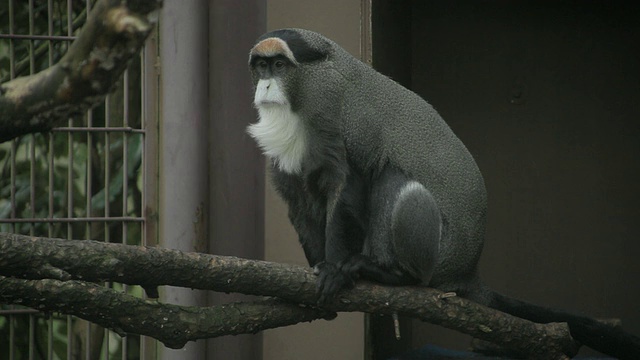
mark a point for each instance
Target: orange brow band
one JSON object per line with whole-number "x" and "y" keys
{"x": 271, "y": 47}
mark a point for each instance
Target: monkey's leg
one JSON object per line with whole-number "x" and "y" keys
{"x": 403, "y": 238}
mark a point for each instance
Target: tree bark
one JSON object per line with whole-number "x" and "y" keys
{"x": 65, "y": 262}
{"x": 112, "y": 36}
{"x": 172, "y": 324}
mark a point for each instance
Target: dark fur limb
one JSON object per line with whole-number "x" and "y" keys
{"x": 112, "y": 36}
{"x": 37, "y": 258}
{"x": 605, "y": 337}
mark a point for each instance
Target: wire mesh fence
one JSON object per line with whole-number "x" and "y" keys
{"x": 86, "y": 179}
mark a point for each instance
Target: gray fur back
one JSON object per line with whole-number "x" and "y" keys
{"x": 383, "y": 123}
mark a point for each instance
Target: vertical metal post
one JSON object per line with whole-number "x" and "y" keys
{"x": 32, "y": 196}
{"x": 366, "y": 39}
{"x": 184, "y": 186}
{"x": 50, "y": 135}
{"x": 237, "y": 167}
{"x": 12, "y": 319}
{"x": 150, "y": 164}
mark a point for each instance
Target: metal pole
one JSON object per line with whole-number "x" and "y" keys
{"x": 183, "y": 144}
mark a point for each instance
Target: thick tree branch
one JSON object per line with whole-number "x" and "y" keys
{"x": 173, "y": 325}
{"x": 38, "y": 258}
{"x": 112, "y": 36}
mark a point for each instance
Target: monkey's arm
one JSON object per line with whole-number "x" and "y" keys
{"x": 331, "y": 278}
{"x": 345, "y": 232}
{"x": 307, "y": 217}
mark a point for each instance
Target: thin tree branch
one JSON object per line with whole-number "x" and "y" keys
{"x": 36, "y": 258}
{"x": 112, "y": 36}
{"x": 172, "y": 324}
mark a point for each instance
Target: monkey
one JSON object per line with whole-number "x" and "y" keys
{"x": 378, "y": 186}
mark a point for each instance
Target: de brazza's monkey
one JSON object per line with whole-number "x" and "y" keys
{"x": 377, "y": 184}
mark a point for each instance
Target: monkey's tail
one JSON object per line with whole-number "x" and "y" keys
{"x": 605, "y": 338}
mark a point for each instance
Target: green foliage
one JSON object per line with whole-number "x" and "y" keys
{"x": 66, "y": 175}
{"x": 36, "y": 21}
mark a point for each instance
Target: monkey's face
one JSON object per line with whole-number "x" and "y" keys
{"x": 270, "y": 74}
{"x": 279, "y": 131}
{"x": 282, "y": 62}
{"x": 272, "y": 65}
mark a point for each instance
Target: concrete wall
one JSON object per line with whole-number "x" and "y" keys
{"x": 236, "y": 197}
{"x": 342, "y": 338}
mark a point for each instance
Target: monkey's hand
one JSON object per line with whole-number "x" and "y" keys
{"x": 331, "y": 279}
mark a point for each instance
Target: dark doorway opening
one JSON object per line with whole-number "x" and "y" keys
{"x": 546, "y": 96}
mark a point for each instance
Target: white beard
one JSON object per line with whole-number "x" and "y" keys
{"x": 279, "y": 131}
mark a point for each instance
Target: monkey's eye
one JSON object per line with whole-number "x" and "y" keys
{"x": 261, "y": 64}
{"x": 279, "y": 64}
